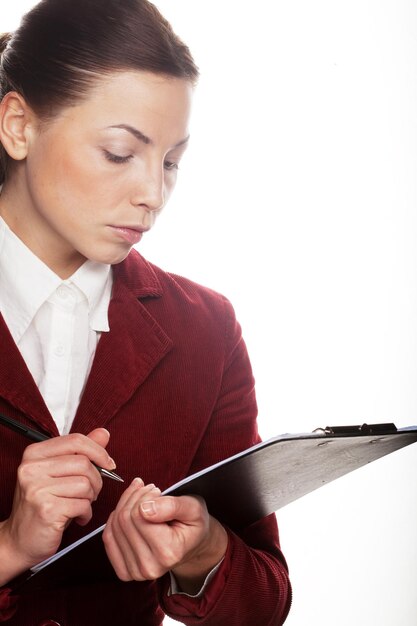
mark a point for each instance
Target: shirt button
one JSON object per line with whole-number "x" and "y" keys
{"x": 59, "y": 350}
{"x": 62, "y": 291}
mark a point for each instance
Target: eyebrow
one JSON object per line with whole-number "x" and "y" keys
{"x": 142, "y": 137}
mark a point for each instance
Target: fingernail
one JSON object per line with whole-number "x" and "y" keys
{"x": 148, "y": 508}
{"x": 137, "y": 481}
{"x": 112, "y": 463}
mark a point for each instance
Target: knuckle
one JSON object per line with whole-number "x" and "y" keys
{"x": 25, "y": 472}
{"x": 77, "y": 438}
{"x": 124, "y": 518}
{"x": 84, "y": 464}
{"x": 124, "y": 576}
{"x": 28, "y": 451}
{"x": 167, "y": 556}
{"x": 107, "y": 536}
{"x": 164, "y": 551}
{"x": 84, "y": 487}
{"x": 152, "y": 571}
{"x": 88, "y": 513}
{"x": 47, "y": 509}
{"x": 136, "y": 573}
{"x": 171, "y": 504}
{"x": 84, "y": 510}
{"x": 198, "y": 505}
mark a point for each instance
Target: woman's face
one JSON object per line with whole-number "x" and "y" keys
{"x": 96, "y": 176}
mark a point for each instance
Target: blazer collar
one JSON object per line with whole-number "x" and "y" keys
{"x": 124, "y": 358}
{"x": 127, "y": 354}
{"x": 138, "y": 276}
{"x": 17, "y": 386}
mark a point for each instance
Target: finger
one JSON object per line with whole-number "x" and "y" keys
{"x": 135, "y": 485}
{"x": 113, "y": 550}
{"x": 31, "y": 474}
{"x": 135, "y": 490}
{"x": 186, "y": 509}
{"x": 70, "y": 444}
{"x": 132, "y": 539}
{"x": 126, "y": 512}
{"x": 56, "y": 511}
{"x": 129, "y": 514}
{"x": 78, "y": 509}
{"x": 127, "y": 550}
{"x": 62, "y": 499}
{"x": 78, "y": 487}
{"x": 139, "y": 492}
{"x": 166, "y": 538}
{"x": 100, "y": 436}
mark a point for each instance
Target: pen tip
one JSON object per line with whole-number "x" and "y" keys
{"x": 111, "y": 475}
{"x": 116, "y": 477}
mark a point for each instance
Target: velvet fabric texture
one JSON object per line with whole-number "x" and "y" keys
{"x": 172, "y": 383}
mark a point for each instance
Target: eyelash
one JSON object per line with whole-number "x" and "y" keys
{"x": 115, "y": 158}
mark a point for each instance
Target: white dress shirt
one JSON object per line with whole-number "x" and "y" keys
{"x": 55, "y": 323}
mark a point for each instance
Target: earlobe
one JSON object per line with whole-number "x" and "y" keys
{"x": 15, "y": 123}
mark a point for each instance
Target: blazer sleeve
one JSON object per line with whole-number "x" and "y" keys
{"x": 252, "y": 584}
{"x": 8, "y": 604}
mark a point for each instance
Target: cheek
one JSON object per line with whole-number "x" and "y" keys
{"x": 84, "y": 188}
{"x": 55, "y": 176}
{"x": 76, "y": 176}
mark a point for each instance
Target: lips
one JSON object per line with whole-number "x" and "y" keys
{"x": 129, "y": 234}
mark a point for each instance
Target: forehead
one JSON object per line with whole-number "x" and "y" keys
{"x": 157, "y": 104}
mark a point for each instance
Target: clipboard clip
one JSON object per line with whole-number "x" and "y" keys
{"x": 364, "y": 429}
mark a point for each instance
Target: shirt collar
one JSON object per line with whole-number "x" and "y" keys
{"x": 26, "y": 283}
{"x": 95, "y": 281}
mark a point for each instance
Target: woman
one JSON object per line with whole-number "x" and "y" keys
{"x": 105, "y": 349}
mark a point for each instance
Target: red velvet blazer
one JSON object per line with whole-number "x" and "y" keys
{"x": 172, "y": 383}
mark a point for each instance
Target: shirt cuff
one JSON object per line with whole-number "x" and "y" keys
{"x": 175, "y": 589}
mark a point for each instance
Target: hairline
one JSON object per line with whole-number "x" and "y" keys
{"x": 95, "y": 78}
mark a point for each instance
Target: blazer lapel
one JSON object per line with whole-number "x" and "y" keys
{"x": 126, "y": 354}
{"x": 17, "y": 386}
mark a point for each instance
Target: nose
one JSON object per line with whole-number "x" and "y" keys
{"x": 149, "y": 190}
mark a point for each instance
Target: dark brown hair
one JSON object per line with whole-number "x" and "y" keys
{"x": 62, "y": 46}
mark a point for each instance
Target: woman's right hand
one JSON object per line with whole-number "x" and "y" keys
{"x": 56, "y": 483}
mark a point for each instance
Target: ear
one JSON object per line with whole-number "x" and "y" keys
{"x": 16, "y": 124}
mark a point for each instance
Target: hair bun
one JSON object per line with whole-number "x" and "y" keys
{"x": 4, "y": 40}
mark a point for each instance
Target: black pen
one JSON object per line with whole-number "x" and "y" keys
{"x": 35, "y": 435}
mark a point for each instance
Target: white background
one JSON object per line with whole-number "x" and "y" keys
{"x": 298, "y": 200}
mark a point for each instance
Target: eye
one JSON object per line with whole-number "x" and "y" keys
{"x": 116, "y": 158}
{"x": 171, "y": 165}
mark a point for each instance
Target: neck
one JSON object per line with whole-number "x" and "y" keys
{"x": 27, "y": 223}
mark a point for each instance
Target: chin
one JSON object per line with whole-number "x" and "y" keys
{"x": 111, "y": 259}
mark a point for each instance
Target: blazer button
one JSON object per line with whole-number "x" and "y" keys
{"x": 49, "y": 622}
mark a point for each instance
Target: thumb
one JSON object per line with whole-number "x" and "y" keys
{"x": 100, "y": 436}
{"x": 186, "y": 509}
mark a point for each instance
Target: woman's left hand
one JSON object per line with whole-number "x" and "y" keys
{"x": 149, "y": 534}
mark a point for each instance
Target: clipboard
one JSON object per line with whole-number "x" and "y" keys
{"x": 243, "y": 489}
{"x": 251, "y": 485}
